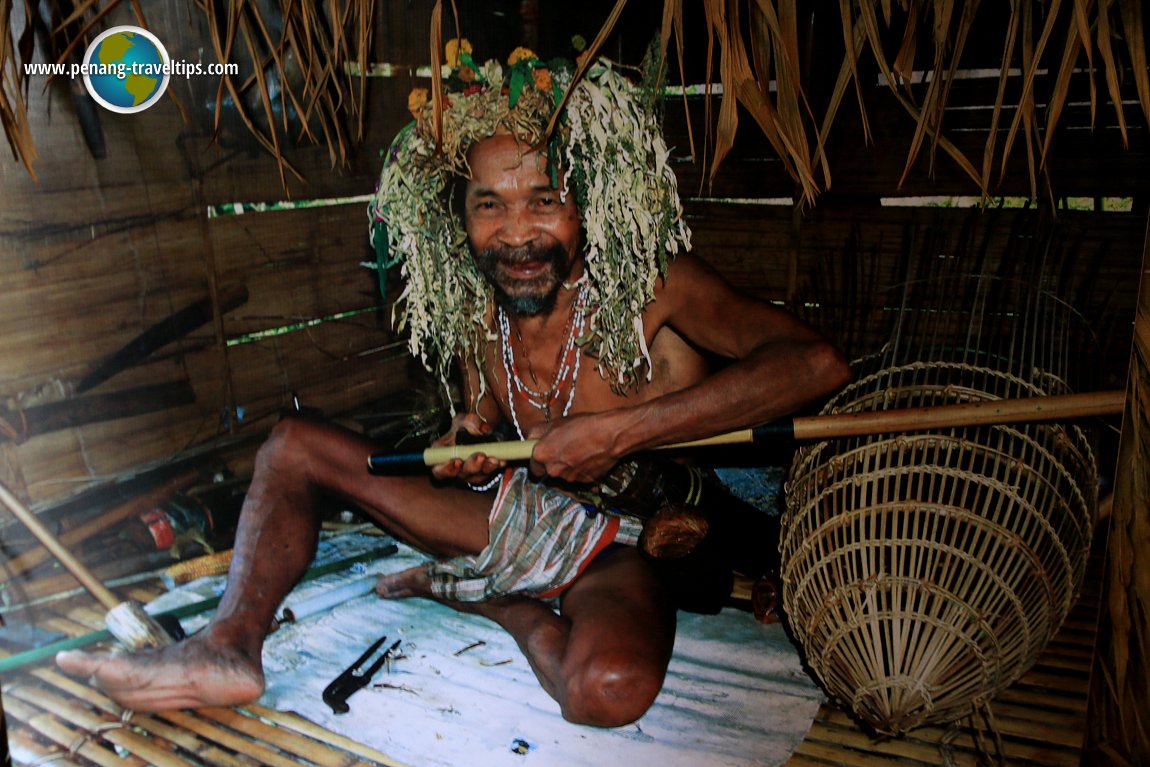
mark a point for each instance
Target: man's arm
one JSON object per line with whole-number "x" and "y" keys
{"x": 780, "y": 364}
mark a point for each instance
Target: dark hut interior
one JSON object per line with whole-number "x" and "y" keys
{"x": 178, "y": 279}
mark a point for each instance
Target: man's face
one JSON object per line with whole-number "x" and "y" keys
{"x": 525, "y": 239}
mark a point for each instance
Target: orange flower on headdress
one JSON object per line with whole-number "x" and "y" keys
{"x": 455, "y": 47}
{"x": 542, "y": 79}
{"x": 519, "y": 54}
{"x": 415, "y": 101}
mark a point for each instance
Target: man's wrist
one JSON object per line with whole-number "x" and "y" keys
{"x": 490, "y": 484}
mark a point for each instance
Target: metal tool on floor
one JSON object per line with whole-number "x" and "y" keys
{"x": 353, "y": 679}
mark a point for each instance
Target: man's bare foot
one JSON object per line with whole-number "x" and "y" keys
{"x": 188, "y": 674}
{"x": 412, "y": 582}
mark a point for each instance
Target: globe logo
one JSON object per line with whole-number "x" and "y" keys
{"x": 126, "y": 69}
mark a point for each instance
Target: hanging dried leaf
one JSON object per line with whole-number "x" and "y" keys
{"x": 1106, "y": 51}
{"x": 1004, "y": 75}
{"x": 848, "y": 73}
{"x": 673, "y": 24}
{"x": 1032, "y": 59}
{"x": 307, "y": 59}
{"x": 1134, "y": 31}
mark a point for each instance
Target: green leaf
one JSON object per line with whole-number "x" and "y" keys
{"x": 519, "y": 77}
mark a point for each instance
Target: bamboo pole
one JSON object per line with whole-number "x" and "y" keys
{"x": 81, "y": 573}
{"x": 806, "y": 428}
{"x": 127, "y": 621}
{"x": 118, "y": 513}
{"x": 1003, "y": 411}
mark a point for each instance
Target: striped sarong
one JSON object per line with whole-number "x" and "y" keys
{"x": 539, "y": 540}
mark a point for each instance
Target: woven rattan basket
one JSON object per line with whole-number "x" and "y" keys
{"x": 924, "y": 572}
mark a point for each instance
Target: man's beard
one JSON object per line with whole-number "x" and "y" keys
{"x": 529, "y": 297}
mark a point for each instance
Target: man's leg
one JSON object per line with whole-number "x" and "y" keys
{"x": 620, "y": 630}
{"x": 604, "y": 656}
{"x": 275, "y": 543}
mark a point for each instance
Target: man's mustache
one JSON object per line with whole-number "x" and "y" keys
{"x": 533, "y": 296}
{"x": 520, "y": 255}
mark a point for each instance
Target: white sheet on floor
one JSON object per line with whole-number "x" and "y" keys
{"x": 735, "y": 692}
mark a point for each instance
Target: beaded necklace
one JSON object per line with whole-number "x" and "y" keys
{"x": 567, "y": 368}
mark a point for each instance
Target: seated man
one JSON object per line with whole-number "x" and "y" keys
{"x": 557, "y": 298}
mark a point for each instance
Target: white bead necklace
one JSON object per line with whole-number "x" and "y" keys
{"x": 568, "y": 366}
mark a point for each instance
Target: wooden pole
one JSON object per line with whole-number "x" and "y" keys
{"x": 1002, "y": 411}
{"x": 807, "y": 428}
{"x": 92, "y": 408}
{"x": 1116, "y": 733}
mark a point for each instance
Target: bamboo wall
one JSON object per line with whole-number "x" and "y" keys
{"x": 1119, "y": 695}
{"x": 95, "y": 251}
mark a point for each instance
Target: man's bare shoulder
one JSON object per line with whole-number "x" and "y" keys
{"x": 705, "y": 309}
{"x": 688, "y": 283}
{"x": 687, "y": 263}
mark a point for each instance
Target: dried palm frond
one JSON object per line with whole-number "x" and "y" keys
{"x": 298, "y": 51}
{"x": 13, "y": 108}
{"x": 775, "y": 55}
{"x": 304, "y": 62}
{"x": 1088, "y": 28}
{"x": 71, "y": 24}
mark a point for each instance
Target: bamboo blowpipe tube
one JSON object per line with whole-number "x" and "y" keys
{"x": 298, "y": 610}
{"x": 127, "y": 621}
{"x": 807, "y": 428}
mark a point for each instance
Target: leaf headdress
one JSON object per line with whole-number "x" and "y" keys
{"x": 609, "y": 140}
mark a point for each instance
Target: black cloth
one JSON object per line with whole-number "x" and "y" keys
{"x": 740, "y": 537}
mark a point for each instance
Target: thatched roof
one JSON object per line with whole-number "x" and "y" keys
{"x": 754, "y": 46}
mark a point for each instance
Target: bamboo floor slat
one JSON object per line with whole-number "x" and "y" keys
{"x": 55, "y": 719}
{"x": 1041, "y": 719}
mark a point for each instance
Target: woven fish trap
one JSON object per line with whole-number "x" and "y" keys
{"x": 925, "y": 572}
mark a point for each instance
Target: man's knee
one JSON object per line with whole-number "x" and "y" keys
{"x": 613, "y": 689}
{"x": 291, "y": 444}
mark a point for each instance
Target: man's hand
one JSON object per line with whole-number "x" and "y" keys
{"x": 477, "y": 468}
{"x": 576, "y": 449}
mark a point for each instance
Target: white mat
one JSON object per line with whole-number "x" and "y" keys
{"x": 735, "y": 692}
